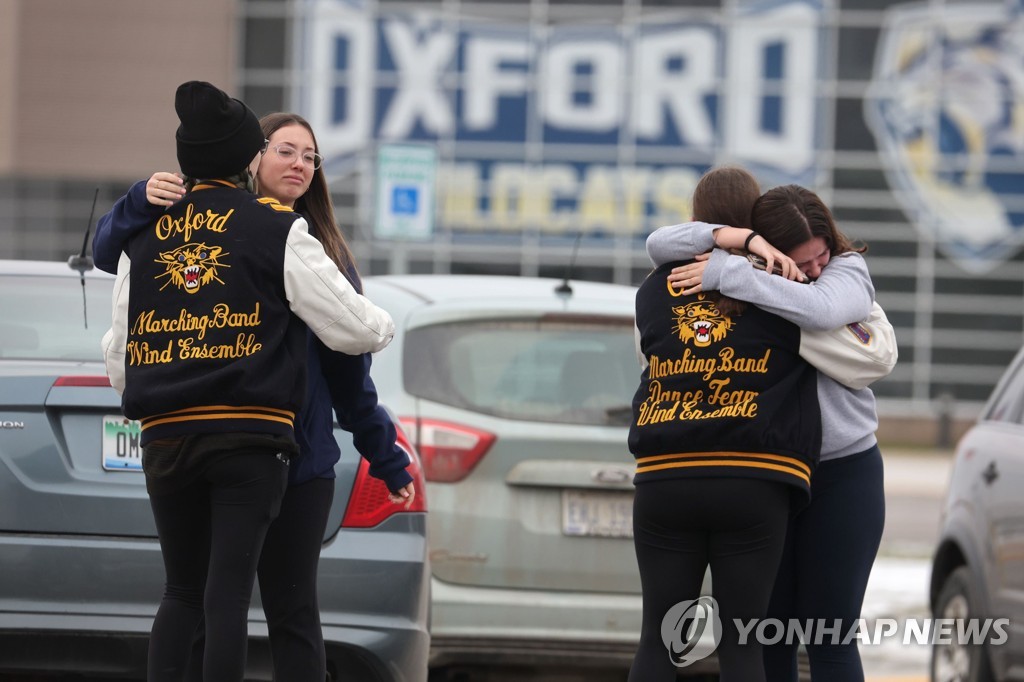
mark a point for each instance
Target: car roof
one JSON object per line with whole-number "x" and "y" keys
{"x": 431, "y": 289}
{"x": 45, "y": 268}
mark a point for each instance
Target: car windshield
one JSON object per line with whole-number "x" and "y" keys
{"x": 573, "y": 372}
{"x": 43, "y": 318}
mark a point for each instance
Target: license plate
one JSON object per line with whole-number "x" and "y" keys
{"x": 121, "y": 451}
{"x": 597, "y": 513}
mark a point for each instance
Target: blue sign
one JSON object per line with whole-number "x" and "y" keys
{"x": 598, "y": 127}
{"x": 405, "y": 200}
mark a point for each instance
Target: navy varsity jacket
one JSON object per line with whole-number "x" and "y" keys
{"x": 721, "y": 396}
{"x": 334, "y": 379}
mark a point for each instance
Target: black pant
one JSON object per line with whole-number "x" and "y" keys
{"x": 211, "y": 532}
{"x": 830, "y": 548}
{"x": 288, "y": 574}
{"x": 735, "y": 525}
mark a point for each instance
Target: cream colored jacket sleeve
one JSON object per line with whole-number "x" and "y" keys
{"x": 115, "y": 341}
{"x": 856, "y": 355}
{"x": 326, "y": 301}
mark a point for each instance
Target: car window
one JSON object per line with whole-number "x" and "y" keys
{"x": 1007, "y": 403}
{"x": 551, "y": 371}
{"x": 43, "y": 318}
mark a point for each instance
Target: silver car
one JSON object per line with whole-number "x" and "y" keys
{"x": 978, "y": 567}
{"x": 80, "y": 567}
{"x": 517, "y": 394}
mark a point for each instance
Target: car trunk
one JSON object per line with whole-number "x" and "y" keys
{"x": 74, "y": 464}
{"x": 542, "y": 510}
{"x": 72, "y": 461}
{"x": 548, "y": 504}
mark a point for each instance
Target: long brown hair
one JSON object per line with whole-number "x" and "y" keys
{"x": 725, "y": 196}
{"x": 316, "y": 205}
{"x": 790, "y": 215}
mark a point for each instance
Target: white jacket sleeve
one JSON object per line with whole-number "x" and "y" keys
{"x": 115, "y": 341}
{"x": 855, "y": 355}
{"x": 325, "y": 300}
{"x": 639, "y": 351}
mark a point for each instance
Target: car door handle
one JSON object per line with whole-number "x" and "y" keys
{"x": 990, "y": 474}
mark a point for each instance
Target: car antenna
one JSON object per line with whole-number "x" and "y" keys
{"x": 82, "y": 262}
{"x": 564, "y": 289}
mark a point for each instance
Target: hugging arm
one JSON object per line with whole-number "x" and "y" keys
{"x": 842, "y": 295}
{"x": 354, "y": 397}
{"x": 688, "y": 240}
{"x": 680, "y": 242}
{"x": 326, "y": 301}
{"x": 130, "y": 214}
{"x": 844, "y": 334}
{"x": 136, "y": 210}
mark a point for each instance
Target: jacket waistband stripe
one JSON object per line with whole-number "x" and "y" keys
{"x": 792, "y": 461}
{"x": 726, "y": 463}
{"x": 224, "y": 408}
{"x": 217, "y": 415}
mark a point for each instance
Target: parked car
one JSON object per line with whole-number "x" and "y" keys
{"x": 80, "y": 567}
{"x": 978, "y": 567}
{"x": 518, "y": 394}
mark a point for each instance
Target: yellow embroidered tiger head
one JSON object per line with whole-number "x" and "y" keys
{"x": 191, "y": 266}
{"x": 701, "y": 323}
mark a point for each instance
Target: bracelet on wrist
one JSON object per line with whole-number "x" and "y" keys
{"x": 750, "y": 238}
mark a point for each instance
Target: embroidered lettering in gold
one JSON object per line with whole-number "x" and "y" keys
{"x": 167, "y": 227}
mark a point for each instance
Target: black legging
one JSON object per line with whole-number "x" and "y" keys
{"x": 287, "y": 574}
{"x": 737, "y": 525}
{"x": 211, "y": 532}
{"x": 830, "y": 548}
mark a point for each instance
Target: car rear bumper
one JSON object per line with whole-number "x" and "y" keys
{"x": 491, "y": 625}
{"x": 82, "y": 604}
{"x": 116, "y": 647}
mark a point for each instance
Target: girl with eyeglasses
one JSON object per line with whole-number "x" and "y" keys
{"x": 291, "y": 172}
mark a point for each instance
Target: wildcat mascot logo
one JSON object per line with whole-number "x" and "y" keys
{"x": 946, "y": 107}
{"x": 701, "y": 323}
{"x": 191, "y": 266}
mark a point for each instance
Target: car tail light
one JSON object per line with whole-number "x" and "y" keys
{"x": 368, "y": 504}
{"x": 449, "y": 451}
{"x": 72, "y": 380}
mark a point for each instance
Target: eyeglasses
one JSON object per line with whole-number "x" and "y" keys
{"x": 289, "y": 153}
{"x": 263, "y": 149}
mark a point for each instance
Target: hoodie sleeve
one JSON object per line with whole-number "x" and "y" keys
{"x": 354, "y": 397}
{"x": 326, "y": 301}
{"x": 680, "y": 242}
{"x": 130, "y": 214}
{"x": 842, "y": 295}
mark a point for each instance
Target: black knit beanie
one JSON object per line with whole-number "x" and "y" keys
{"x": 218, "y": 135}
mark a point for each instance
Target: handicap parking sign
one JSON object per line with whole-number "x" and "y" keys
{"x": 405, "y": 200}
{"x": 405, "y": 191}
